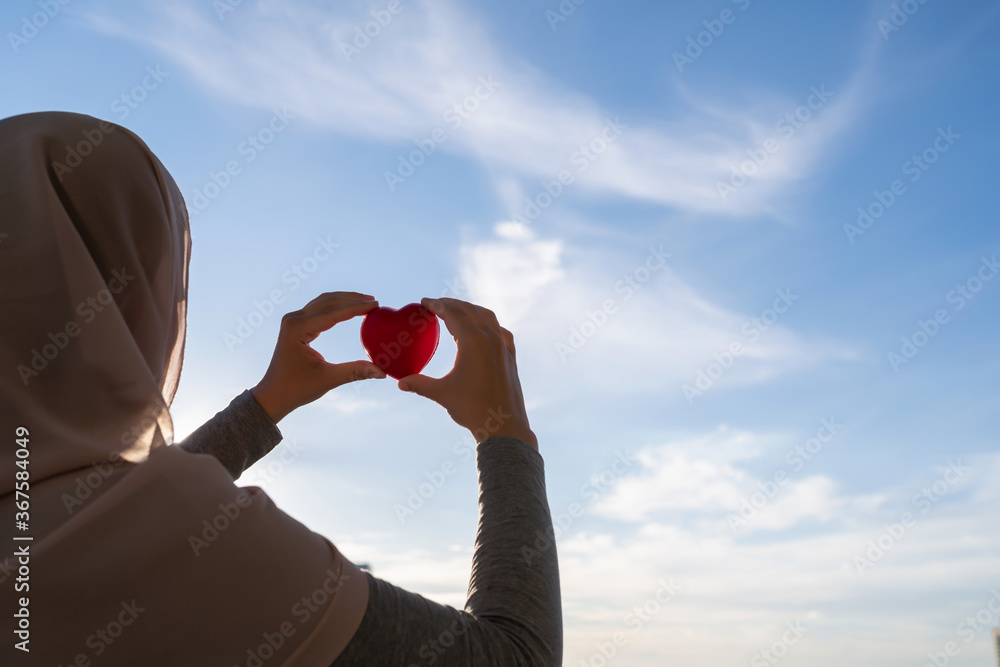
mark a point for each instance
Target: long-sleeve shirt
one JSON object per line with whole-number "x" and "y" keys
{"x": 513, "y": 613}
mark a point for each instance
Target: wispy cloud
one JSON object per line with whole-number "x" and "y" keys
{"x": 432, "y": 55}
{"x": 657, "y": 336}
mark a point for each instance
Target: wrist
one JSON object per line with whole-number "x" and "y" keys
{"x": 524, "y": 434}
{"x": 269, "y": 402}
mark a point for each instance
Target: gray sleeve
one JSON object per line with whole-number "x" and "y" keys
{"x": 237, "y": 436}
{"x": 513, "y": 615}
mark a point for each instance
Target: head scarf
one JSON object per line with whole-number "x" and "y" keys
{"x": 94, "y": 254}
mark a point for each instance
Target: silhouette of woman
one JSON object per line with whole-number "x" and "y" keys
{"x": 127, "y": 549}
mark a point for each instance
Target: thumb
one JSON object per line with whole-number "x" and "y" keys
{"x": 421, "y": 385}
{"x": 352, "y": 371}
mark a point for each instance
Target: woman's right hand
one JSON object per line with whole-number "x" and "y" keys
{"x": 482, "y": 392}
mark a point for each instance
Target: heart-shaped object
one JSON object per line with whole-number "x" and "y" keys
{"x": 400, "y": 342}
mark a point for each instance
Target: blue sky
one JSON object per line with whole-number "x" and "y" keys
{"x": 806, "y": 111}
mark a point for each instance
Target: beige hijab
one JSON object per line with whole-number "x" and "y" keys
{"x": 140, "y": 553}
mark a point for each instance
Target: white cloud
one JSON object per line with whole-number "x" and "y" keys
{"x": 743, "y": 589}
{"x": 674, "y": 478}
{"x": 433, "y": 55}
{"x": 661, "y": 333}
{"x": 702, "y": 476}
{"x": 509, "y": 273}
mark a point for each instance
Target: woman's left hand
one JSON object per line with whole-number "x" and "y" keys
{"x": 299, "y": 374}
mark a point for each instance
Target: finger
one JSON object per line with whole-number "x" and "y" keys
{"x": 317, "y": 306}
{"x": 455, "y": 319}
{"x": 328, "y": 299}
{"x": 490, "y": 317}
{"x": 315, "y": 322}
{"x": 472, "y": 311}
{"x": 352, "y": 371}
{"x": 421, "y": 385}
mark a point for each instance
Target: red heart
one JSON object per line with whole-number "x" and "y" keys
{"x": 400, "y": 342}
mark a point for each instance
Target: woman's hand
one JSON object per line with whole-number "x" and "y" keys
{"x": 298, "y": 374}
{"x": 482, "y": 392}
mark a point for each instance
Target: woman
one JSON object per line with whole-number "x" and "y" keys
{"x": 124, "y": 549}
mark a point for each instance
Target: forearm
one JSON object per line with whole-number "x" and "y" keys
{"x": 515, "y": 571}
{"x": 513, "y": 615}
{"x": 238, "y": 436}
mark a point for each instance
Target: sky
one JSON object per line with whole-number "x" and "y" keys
{"x": 746, "y": 249}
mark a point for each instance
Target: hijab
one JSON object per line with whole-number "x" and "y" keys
{"x": 131, "y": 551}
